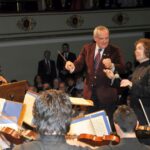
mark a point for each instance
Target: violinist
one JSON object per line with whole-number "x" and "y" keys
{"x": 52, "y": 114}
{"x": 125, "y": 121}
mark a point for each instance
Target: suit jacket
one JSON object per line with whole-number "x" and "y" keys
{"x": 98, "y": 81}
{"x": 47, "y": 75}
{"x": 48, "y": 143}
{"x": 126, "y": 144}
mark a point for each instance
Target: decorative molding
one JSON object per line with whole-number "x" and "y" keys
{"x": 26, "y": 24}
{"x": 75, "y": 21}
{"x": 121, "y": 18}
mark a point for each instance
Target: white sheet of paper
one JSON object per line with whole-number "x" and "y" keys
{"x": 81, "y": 101}
{"x": 29, "y": 102}
{"x": 2, "y": 102}
{"x": 96, "y": 123}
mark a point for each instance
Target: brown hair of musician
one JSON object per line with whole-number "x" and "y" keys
{"x": 126, "y": 118}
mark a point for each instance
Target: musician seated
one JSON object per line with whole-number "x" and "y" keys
{"x": 52, "y": 116}
{"x": 125, "y": 122}
{"x": 2, "y": 80}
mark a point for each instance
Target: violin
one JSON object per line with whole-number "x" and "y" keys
{"x": 94, "y": 140}
{"x": 143, "y": 131}
{"x": 16, "y": 137}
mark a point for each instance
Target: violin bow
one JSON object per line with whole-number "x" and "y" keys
{"x": 144, "y": 112}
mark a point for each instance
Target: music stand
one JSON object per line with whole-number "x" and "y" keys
{"x": 14, "y": 91}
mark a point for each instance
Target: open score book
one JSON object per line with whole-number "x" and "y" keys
{"x": 96, "y": 123}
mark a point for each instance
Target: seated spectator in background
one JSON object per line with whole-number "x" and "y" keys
{"x": 79, "y": 82}
{"x": 52, "y": 114}
{"x": 55, "y": 84}
{"x": 71, "y": 86}
{"x": 47, "y": 68}
{"x": 128, "y": 70}
{"x": 38, "y": 83}
{"x": 46, "y": 86}
{"x": 62, "y": 86}
{"x": 32, "y": 88}
{"x": 68, "y": 55}
{"x": 125, "y": 121}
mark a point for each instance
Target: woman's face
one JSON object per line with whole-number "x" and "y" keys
{"x": 139, "y": 52}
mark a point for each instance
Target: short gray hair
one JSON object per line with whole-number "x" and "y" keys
{"x": 99, "y": 28}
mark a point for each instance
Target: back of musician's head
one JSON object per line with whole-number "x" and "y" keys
{"x": 126, "y": 118}
{"x": 52, "y": 112}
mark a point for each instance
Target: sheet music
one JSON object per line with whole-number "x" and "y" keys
{"x": 96, "y": 123}
{"x": 4, "y": 144}
{"x": 9, "y": 113}
{"x": 81, "y": 101}
{"x": 7, "y": 122}
{"x": 2, "y": 101}
{"x": 29, "y": 102}
{"x": 82, "y": 125}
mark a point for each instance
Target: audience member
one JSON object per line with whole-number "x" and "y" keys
{"x": 79, "y": 82}
{"x": 38, "y": 83}
{"x": 128, "y": 70}
{"x": 32, "y": 88}
{"x": 62, "y": 86}
{"x": 68, "y": 55}
{"x": 71, "y": 86}
{"x": 46, "y": 86}
{"x": 56, "y": 83}
{"x": 52, "y": 114}
{"x": 47, "y": 68}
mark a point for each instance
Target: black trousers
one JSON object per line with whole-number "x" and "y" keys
{"x": 108, "y": 108}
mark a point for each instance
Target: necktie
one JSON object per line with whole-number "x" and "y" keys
{"x": 48, "y": 67}
{"x": 97, "y": 60}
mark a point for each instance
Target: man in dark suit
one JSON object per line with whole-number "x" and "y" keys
{"x": 47, "y": 68}
{"x": 96, "y": 85}
{"x": 63, "y": 73}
